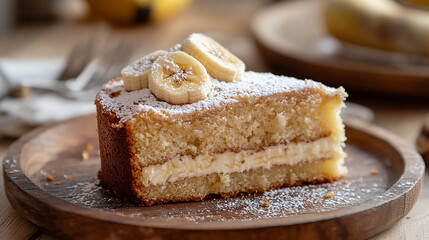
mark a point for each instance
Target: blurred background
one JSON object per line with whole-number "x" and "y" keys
{"x": 55, "y": 54}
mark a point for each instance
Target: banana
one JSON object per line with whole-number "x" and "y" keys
{"x": 219, "y": 62}
{"x": 136, "y": 11}
{"x": 178, "y": 78}
{"x": 382, "y": 24}
{"x": 135, "y": 75}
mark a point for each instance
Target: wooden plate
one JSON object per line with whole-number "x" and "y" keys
{"x": 293, "y": 40}
{"x": 358, "y": 206}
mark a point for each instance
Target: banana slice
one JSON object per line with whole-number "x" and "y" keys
{"x": 219, "y": 62}
{"x": 135, "y": 75}
{"x": 179, "y": 78}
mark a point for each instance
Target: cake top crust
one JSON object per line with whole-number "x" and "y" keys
{"x": 127, "y": 105}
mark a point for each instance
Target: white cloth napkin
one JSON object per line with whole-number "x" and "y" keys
{"x": 17, "y": 116}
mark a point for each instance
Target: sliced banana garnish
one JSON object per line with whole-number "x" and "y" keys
{"x": 179, "y": 78}
{"x": 135, "y": 75}
{"x": 219, "y": 62}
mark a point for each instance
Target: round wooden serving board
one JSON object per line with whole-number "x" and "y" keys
{"x": 383, "y": 183}
{"x": 292, "y": 38}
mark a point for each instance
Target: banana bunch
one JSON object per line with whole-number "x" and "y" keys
{"x": 382, "y": 24}
{"x": 181, "y": 75}
{"x": 136, "y": 11}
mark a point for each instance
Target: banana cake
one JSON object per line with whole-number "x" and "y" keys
{"x": 238, "y": 132}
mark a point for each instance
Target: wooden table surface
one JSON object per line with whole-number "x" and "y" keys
{"x": 230, "y": 26}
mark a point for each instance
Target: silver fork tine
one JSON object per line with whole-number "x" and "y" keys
{"x": 6, "y": 84}
{"x": 120, "y": 55}
{"x": 87, "y": 78}
{"x": 82, "y": 53}
{"x": 77, "y": 59}
{"x": 112, "y": 63}
{"x": 98, "y": 71}
{"x": 105, "y": 60}
{"x": 124, "y": 54}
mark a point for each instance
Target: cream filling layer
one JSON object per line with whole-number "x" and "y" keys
{"x": 228, "y": 162}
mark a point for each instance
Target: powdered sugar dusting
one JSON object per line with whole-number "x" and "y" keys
{"x": 285, "y": 202}
{"x": 127, "y": 104}
{"x": 175, "y": 48}
{"x": 295, "y": 200}
{"x": 356, "y": 188}
{"x": 88, "y": 194}
{"x": 141, "y": 65}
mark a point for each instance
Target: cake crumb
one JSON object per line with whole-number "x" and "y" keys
{"x": 320, "y": 200}
{"x": 408, "y": 217}
{"x": 147, "y": 217}
{"x": 89, "y": 147}
{"x": 50, "y": 178}
{"x": 374, "y": 171}
{"x": 57, "y": 182}
{"x": 120, "y": 213}
{"x": 190, "y": 219}
{"x": 329, "y": 195}
{"x": 67, "y": 177}
{"x": 95, "y": 177}
{"x": 85, "y": 155}
{"x": 266, "y": 203}
{"x": 46, "y": 184}
{"x": 345, "y": 181}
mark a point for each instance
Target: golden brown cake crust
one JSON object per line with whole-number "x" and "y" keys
{"x": 115, "y": 154}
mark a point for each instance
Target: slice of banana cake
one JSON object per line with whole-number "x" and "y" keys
{"x": 191, "y": 134}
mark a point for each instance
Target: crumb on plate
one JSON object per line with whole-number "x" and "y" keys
{"x": 329, "y": 195}
{"x": 266, "y": 203}
{"x": 85, "y": 155}
{"x": 89, "y": 147}
{"x": 190, "y": 219}
{"x": 49, "y": 178}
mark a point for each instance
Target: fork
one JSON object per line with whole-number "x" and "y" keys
{"x": 99, "y": 70}
{"x": 112, "y": 64}
{"x": 82, "y": 53}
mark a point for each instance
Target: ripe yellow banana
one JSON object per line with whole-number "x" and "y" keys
{"x": 135, "y": 75}
{"x": 137, "y": 11}
{"x": 219, "y": 62}
{"x": 382, "y": 24}
{"x": 178, "y": 78}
